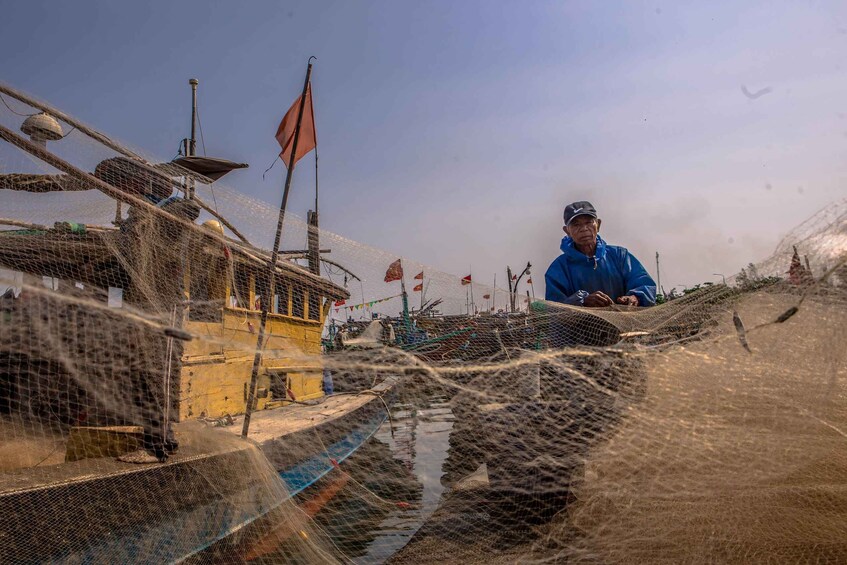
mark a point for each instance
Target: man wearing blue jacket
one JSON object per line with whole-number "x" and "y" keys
{"x": 590, "y": 272}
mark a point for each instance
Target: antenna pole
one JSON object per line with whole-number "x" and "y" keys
{"x": 192, "y": 142}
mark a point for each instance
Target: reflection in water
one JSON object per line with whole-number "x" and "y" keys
{"x": 395, "y": 482}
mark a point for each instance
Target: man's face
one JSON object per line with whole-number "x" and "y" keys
{"x": 583, "y": 230}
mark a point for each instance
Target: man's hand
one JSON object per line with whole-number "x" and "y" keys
{"x": 628, "y": 300}
{"x": 597, "y": 300}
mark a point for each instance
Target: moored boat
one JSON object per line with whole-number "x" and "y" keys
{"x": 128, "y": 357}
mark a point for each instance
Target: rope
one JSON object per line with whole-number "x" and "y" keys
{"x": 12, "y": 111}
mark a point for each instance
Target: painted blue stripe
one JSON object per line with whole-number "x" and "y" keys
{"x": 166, "y": 542}
{"x": 303, "y": 475}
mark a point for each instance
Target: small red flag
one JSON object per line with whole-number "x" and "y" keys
{"x": 528, "y": 281}
{"x": 418, "y": 288}
{"x": 394, "y": 272}
{"x": 308, "y": 139}
{"x": 486, "y": 296}
{"x": 514, "y": 277}
{"x": 419, "y": 276}
{"x": 341, "y": 302}
{"x": 466, "y": 280}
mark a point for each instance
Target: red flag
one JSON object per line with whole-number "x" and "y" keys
{"x": 394, "y": 272}
{"x": 419, "y": 276}
{"x": 341, "y": 302}
{"x": 418, "y": 288}
{"x": 308, "y": 139}
{"x": 528, "y": 281}
{"x": 466, "y": 280}
{"x": 514, "y": 277}
{"x": 486, "y": 296}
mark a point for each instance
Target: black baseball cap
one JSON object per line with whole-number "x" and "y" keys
{"x": 581, "y": 208}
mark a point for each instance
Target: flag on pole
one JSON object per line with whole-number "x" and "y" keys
{"x": 394, "y": 272}
{"x": 466, "y": 280}
{"x": 419, "y": 276}
{"x": 514, "y": 277}
{"x": 486, "y": 296}
{"x": 341, "y": 302}
{"x": 308, "y": 139}
{"x": 529, "y": 281}
{"x": 418, "y": 288}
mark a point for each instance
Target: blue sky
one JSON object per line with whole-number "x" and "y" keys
{"x": 455, "y": 132}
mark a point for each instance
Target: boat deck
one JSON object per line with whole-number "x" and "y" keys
{"x": 267, "y": 425}
{"x": 196, "y": 441}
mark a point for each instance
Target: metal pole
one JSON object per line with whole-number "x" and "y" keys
{"x": 313, "y": 223}
{"x": 494, "y": 294}
{"x": 658, "y": 273}
{"x": 511, "y": 297}
{"x": 257, "y": 359}
{"x": 473, "y": 302}
{"x": 192, "y": 145}
{"x": 520, "y": 276}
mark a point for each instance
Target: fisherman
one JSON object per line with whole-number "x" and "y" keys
{"x": 590, "y": 272}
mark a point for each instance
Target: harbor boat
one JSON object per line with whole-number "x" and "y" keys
{"x": 161, "y": 381}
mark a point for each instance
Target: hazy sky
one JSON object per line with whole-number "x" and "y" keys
{"x": 455, "y": 132}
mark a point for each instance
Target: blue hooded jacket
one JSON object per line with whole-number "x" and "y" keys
{"x": 613, "y": 270}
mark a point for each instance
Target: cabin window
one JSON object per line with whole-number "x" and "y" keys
{"x": 314, "y": 306}
{"x": 262, "y": 292}
{"x": 241, "y": 290}
{"x": 207, "y": 290}
{"x": 298, "y": 308}
{"x": 281, "y": 299}
{"x": 50, "y": 282}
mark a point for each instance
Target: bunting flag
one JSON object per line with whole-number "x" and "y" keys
{"x": 394, "y": 272}
{"x": 529, "y": 281}
{"x": 341, "y": 302}
{"x": 419, "y": 276}
{"x": 418, "y": 288}
{"x": 486, "y": 296}
{"x": 466, "y": 280}
{"x": 514, "y": 277}
{"x": 308, "y": 139}
{"x": 368, "y": 304}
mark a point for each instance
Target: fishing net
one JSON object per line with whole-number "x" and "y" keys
{"x": 170, "y": 390}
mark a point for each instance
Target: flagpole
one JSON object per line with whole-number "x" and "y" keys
{"x": 407, "y": 324}
{"x": 257, "y": 358}
{"x": 422, "y": 290}
{"x": 473, "y": 303}
{"x": 494, "y": 294}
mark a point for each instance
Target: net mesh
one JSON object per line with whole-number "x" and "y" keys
{"x": 168, "y": 392}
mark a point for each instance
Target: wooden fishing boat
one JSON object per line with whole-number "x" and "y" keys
{"x": 131, "y": 350}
